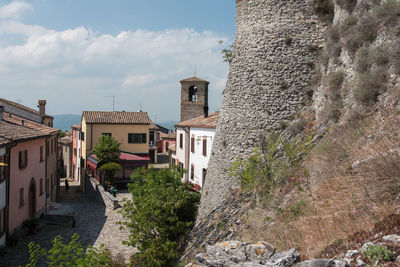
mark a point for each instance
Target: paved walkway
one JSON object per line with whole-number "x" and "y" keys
{"x": 95, "y": 223}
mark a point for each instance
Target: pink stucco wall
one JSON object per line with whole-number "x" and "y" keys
{"x": 21, "y": 178}
{"x": 171, "y": 141}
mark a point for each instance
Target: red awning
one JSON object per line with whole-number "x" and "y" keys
{"x": 91, "y": 165}
{"x": 131, "y": 157}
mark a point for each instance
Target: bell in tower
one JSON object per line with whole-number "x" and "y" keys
{"x": 194, "y": 97}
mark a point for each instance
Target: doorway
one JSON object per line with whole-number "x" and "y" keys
{"x": 32, "y": 198}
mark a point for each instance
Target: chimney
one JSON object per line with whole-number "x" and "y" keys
{"x": 205, "y": 109}
{"x": 42, "y": 107}
{"x": 1, "y": 113}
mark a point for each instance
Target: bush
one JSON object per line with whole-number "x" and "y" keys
{"x": 332, "y": 38}
{"x": 369, "y": 85}
{"x": 162, "y": 210}
{"x": 348, "y": 5}
{"x": 378, "y": 253}
{"x": 334, "y": 81}
{"x": 324, "y": 9}
{"x": 395, "y": 58}
{"x": 357, "y": 35}
{"x": 363, "y": 59}
{"x": 389, "y": 12}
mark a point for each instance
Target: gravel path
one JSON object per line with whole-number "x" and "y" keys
{"x": 95, "y": 224}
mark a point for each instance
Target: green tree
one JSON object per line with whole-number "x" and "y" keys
{"x": 107, "y": 149}
{"x": 227, "y": 53}
{"x": 109, "y": 170}
{"x": 71, "y": 254}
{"x": 162, "y": 210}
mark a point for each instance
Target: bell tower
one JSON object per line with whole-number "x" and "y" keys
{"x": 194, "y": 98}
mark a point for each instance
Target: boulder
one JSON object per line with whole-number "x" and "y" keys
{"x": 284, "y": 259}
{"x": 322, "y": 263}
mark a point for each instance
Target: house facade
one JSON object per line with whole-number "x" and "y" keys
{"x": 194, "y": 139}
{"x": 76, "y": 153}
{"x": 166, "y": 141}
{"x": 65, "y": 155}
{"x": 27, "y": 188}
{"x": 131, "y": 129}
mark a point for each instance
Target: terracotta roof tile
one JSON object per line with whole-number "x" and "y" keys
{"x": 29, "y": 124}
{"x": 168, "y": 135}
{"x": 201, "y": 122}
{"x": 23, "y": 107}
{"x": 16, "y": 132}
{"x": 4, "y": 141}
{"x": 116, "y": 117}
{"x": 194, "y": 79}
{"x": 76, "y": 127}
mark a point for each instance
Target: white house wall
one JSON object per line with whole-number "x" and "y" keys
{"x": 197, "y": 158}
{"x": 3, "y": 200}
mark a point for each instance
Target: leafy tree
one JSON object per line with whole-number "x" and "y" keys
{"x": 227, "y": 53}
{"x": 107, "y": 149}
{"x": 109, "y": 169}
{"x": 71, "y": 254}
{"x": 162, "y": 210}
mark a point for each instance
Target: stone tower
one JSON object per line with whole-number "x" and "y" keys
{"x": 194, "y": 98}
{"x": 272, "y": 64}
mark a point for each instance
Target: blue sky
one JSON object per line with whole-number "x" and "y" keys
{"x": 75, "y": 53}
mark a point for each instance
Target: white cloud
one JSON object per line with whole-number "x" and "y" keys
{"x": 74, "y": 69}
{"x": 14, "y": 10}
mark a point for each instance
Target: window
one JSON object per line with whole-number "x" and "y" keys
{"x": 47, "y": 185}
{"x": 55, "y": 145}
{"x": 82, "y": 136}
{"x": 51, "y": 146}
{"x": 41, "y": 186}
{"x": 21, "y": 197}
{"x": 192, "y": 145}
{"x": 192, "y": 172}
{"x": 166, "y": 146}
{"x": 205, "y": 147}
{"x": 203, "y": 180}
{"x": 137, "y": 138}
{"x": 41, "y": 154}
{"x": 75, "y": 151}
{"x": 47, "y": 148}
{"x": 108, "y": 134}
{"x": 193, "y": 94}
{"x": 23, "y": 159}
{"x": 52, "y": 181}
{"x": 181, "y": 140}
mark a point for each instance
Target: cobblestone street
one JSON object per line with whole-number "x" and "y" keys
{"x": 95, "y": 224}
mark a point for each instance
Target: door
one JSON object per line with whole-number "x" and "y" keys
{"x": 32, "y": 198}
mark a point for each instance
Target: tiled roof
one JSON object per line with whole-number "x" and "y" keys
{"x": 23, "y": 107}
{"x": 4, "y": 141}
{"x": 29, "y": 124}
{"x": 76, "y": 127}
{"x": 201, "y": 122}
{"x": 66, "y": 139}
{"x": 116, "y": 117}
{"x": 172, "y": 148}
{"x": 194, "y": 79}
{"x": 16, "y": 132}
{"x": 168, "y": 135}
{"x": 153, "y": 126}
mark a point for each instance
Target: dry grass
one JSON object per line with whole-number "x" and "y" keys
{"x": 324, "y": 9}
{"x": 389, "y": 12}
{"x": 348, "y": 5}
{"x": 369, "y": 85}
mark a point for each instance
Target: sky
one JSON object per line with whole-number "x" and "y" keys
{"x": 77, "y": 54}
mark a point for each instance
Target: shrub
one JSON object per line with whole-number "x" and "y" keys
{"x": 389, "y": 12}
{"x": 378, "y": 253}
{"x": 380, "y": 56}
{"x": 334, "y": 81}
{"x": 348, "y": 5}
{"x": 395, "y": 58}
{"x": 363, "y": 59}
{"x": 332, "y": 38}
{"x": 357, "y": 35}
{"x": 369, "y": 85}
{"x": 324, "y": 9}
{"x": 297, "y": 126}
{"x": 162, "y": 210}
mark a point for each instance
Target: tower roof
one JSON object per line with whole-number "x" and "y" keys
{"x": 194, "y": 79}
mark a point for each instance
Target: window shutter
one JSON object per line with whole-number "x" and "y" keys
{"x": 20, "y": 159}
{"x": 205, "y": 147}
{"x": 26, "y": 158}
{"x": 144, "y": 138}
{"x": 192, "y": 145}
{"x": 181, "y": 140}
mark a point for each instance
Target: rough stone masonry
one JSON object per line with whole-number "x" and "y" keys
{"x": 272, "y": 63}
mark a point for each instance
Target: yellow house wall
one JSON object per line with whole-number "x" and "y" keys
{"x": 119, "y": 132}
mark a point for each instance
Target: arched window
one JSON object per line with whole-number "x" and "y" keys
{"x": 193, "y": 94}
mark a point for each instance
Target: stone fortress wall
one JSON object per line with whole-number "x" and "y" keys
{"x": 272, "y": 64}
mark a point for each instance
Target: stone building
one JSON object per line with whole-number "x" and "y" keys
{"x": 194, "y": 97}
